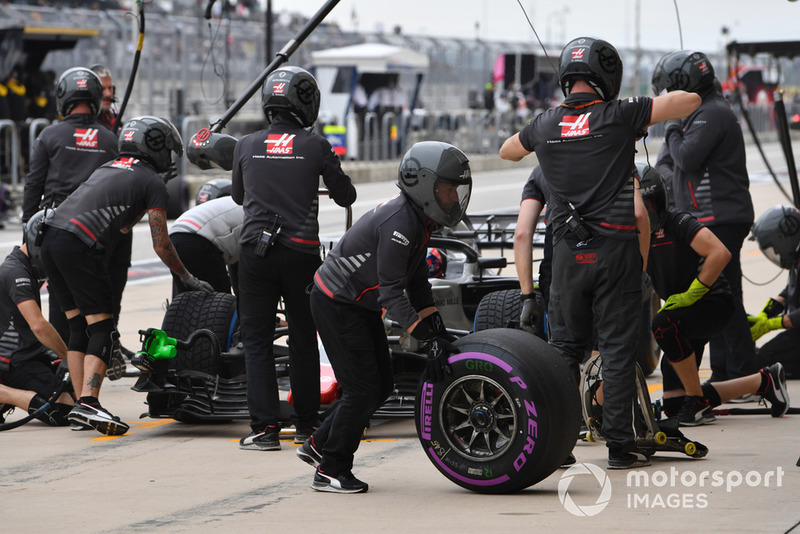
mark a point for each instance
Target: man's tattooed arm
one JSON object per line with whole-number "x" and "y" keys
{"x": 161, "y": 243}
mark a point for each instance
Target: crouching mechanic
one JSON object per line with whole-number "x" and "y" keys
{"x": 84, "y": 229}
{"x": 778, "y": 235}
{"x": 27, "y": 375}
{"x": 380, "y": 263}
{"x": 206, "y": 238}
{"x": 685, "y": 264}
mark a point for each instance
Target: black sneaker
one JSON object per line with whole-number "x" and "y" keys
{"x": 79, "y": 427}
{"x": 775, "y": 391}
{"x": 266, "y": 440}
{"x": 695, "y": 411}
{"x": 627, "y": 460}
{"x": 303, "y": 432}
{"x": 345, "y": 483}
{"x": 309, "y": 454}
{"x": 98, "y": 418}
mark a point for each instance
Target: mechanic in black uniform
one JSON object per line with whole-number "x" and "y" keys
{"x": 778, "y": 235}
{"x": 585, "y": 147}
{"x": 28, "y": 377}
{"x": 710, "y": 181}
{"x": 66, "y": 153}
{"x": 380, "y": 263}
{"x": 276, "y": 178}
{"x": 121, "y": 256}
{"x": 83, "y": 231}
{"x": 685, "y": 265}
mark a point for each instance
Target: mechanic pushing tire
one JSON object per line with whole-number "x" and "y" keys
{"x": 505, "y": 418}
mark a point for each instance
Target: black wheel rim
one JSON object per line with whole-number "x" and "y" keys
{"x": 478, "y": 418}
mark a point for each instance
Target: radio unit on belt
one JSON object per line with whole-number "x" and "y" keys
{"x": 269, "y": 235}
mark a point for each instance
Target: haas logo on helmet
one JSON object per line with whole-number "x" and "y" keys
{"x": 279, "y": 88}
{"x": 86, "y": 137}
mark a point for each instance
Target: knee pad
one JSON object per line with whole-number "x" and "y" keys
{"x": 103, "y": 337}
{"x": 78, "y": 337}
{"x": 710, "y": 392}
{"x": 666, "y": 333}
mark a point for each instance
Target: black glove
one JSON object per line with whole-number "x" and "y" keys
{"x": 193, "y": 283}
{"x": 531, "y": 311}
{"x": 430, "y": 328}
{"x": 439, "y": 350}
{"x": 436, "y": 341}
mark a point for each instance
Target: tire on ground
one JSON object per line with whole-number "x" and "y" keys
{"x": 505, "y": 418}
{"x": 191, "y": 311}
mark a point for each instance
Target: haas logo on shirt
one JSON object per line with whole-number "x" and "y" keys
{"x": 124, "y": 163}
{"x": 279, "y": 144}
{"x": 86, "y": 137}
{"x": 574, "y": 126}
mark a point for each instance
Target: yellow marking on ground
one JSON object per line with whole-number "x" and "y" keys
{"x": 137, "y": 426}
{"x": 654, "y": 387}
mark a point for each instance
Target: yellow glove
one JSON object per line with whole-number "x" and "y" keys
{"x": 682, "y": 300}
{"x": 760, "y": 324}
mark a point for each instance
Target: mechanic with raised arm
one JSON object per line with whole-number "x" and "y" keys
{"x": 710, "y": 181}
{"x": 80, "y": 235}
{"x": 66, "y": 153}
{"x": 275, "y": 177}
{"x": 585, "y": 147}
{"x": 28, "y": 378}
{"x": 380, "y": 263}
{"x": 686, "y": 262}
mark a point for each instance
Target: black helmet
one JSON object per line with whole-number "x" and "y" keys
{"x": 593, "y": 60}
{"x": 778, "y": 235}
{"x": 151, "y": 139}
{"x": 293, "y": 90}
{"x": 654, "y": 194}
{"x": 213, "y": 189}
{"x": 33, "y": 240}
{"x": 686, "y": 70}
{"x": 78, "y": 85}
{"x": 426, "y": 167}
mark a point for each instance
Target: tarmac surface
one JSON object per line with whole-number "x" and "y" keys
{"x": 169, "y": 476}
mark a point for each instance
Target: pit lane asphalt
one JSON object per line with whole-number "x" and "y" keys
{"x": 174, "y": 477}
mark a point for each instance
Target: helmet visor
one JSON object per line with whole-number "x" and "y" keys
{"x": 773, "y": 255}
{"x": 452, "y": 199}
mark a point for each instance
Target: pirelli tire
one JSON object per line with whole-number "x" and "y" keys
{"x": 505, "y": 418}
{"x": 192, "y": 311}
